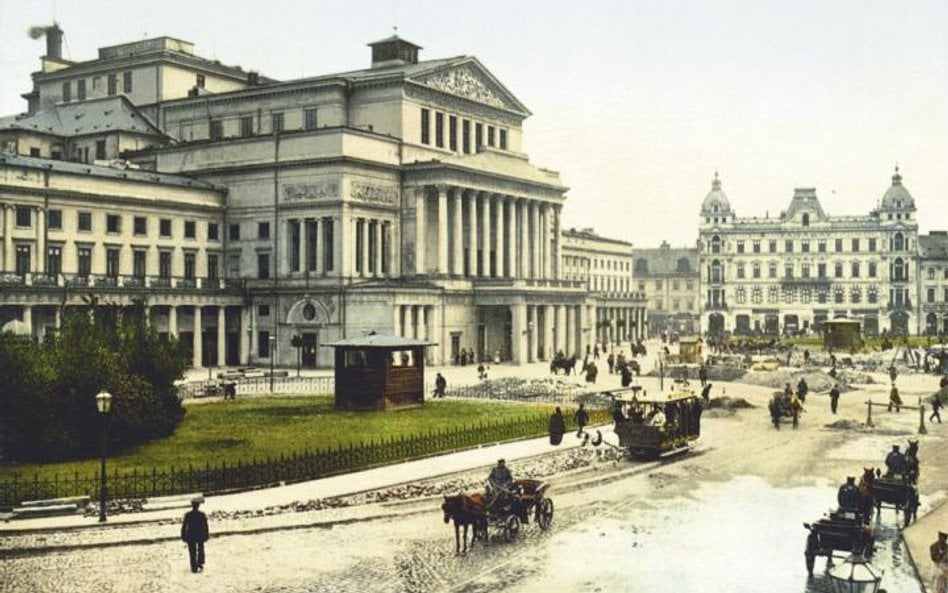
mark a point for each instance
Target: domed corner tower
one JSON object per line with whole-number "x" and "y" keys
{"x": 897, "y": 220}
{"x": 897, "y": 205}
{"x": 715, "y": 209}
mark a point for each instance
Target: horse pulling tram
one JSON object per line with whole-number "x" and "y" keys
{"x": 654, "y": 426}
{"x": 844, "y": 531}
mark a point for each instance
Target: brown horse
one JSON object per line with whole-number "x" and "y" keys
{"x": 465, "y": 510}
{"x": 866, "y": 500}
{"x": 911, "y": 462}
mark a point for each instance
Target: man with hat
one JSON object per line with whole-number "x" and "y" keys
{"x": 848, "y": 495}
{"x": 500, "y": 481}
{"x": 895, "y": 462}
{"x": 194, "y": 532}
{"x": 939, "y": 553}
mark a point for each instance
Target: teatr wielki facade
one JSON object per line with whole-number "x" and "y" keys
{"x": 790, "y": 273}
{"x": 394, "y": 199}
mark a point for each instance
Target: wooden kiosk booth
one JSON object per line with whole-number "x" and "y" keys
{"x": 689, "y": 350}
{"x": 379, "y": 372}
{"x": 842, "y": 335}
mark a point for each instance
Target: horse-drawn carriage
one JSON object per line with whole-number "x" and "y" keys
{"x": 560, "y": 361}
{"x": 896, "y": 493}
{"x": 507, "y": 515}
{"x": 655, "y": 426}
{"x": 844, "y": 531}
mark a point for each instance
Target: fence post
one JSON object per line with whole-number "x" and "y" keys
{"x": 921, "y": 417}
{"x": 869, "y": 415}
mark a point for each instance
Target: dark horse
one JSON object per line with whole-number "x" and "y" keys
{"x": 567, "y": 364}
{"x": 866, "y": 500}
{"x": 465, "y": 510}
{"x": 911, "y": 463}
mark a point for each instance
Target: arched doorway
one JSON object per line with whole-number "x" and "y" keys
{"x": 307, "y": 317}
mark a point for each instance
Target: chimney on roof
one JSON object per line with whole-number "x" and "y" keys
{"x": 394, "y": 51}
{"x": 253, "y": 78}
{"x": 54, "y": 42}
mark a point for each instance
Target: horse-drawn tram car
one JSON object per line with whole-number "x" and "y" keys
{"x": 654, "y": 426}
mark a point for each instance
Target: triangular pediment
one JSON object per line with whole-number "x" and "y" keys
{"x": 470, "y": 80}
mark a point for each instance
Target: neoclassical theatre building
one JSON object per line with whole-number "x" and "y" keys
{"x": 246, "y": 211}
{"x": 792, "y": 272}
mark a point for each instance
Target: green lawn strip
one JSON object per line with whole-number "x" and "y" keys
{"x": 257, "y": 429}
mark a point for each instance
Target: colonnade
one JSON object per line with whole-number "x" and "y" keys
{"x": 542, "y": 331}
{"x": 480, "y": 234}
{"x": 620, "y": 324}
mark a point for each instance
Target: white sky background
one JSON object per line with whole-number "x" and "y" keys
{"x": 635, "y": 102}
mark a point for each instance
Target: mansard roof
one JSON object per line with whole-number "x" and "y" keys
{"x": 95, "y": 116}
{"x": 804, "y": 201}
{"x": 933, "y": 245}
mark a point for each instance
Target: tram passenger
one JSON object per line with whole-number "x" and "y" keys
{"x": 656, "y": 417}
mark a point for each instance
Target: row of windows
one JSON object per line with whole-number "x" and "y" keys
{"x": 54, "y": 255}
{"x": 113, "y": 223}
{"x": 932, "y": 271}
{"x": 675, "y": 285}
{"x": 806, "y": 270}
{"x": 248, "y": 125}
{"x": 496, "y": 137}
{"x": 806, "y": 295}
{"x": 930, "y": 294}
{"x": 111, "y": 81}
{"x": 897, "y": 243}
{"x": 689, "y": 304}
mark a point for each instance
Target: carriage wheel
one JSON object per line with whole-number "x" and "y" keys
{"x": 545, "y": 514}
{"x": 511, "y": 528}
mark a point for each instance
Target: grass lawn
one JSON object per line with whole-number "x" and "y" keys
{"x": 242, "y": 430}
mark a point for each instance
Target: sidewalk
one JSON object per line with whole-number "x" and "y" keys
{"x": 919, "y": 536}
{"x": 482, "y": 457}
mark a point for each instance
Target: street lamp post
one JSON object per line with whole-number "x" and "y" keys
{"x": 272, "y": 359}
{"x": 103, "y": 401}
{"x": 855, "y": 575}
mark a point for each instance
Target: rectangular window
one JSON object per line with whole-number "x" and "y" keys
{"x": 213, "y": 234}
{"x": 22, "y": 259}
{"x": 359, "y": 245}
{"x": 54, "y": 219}
{"x": 24, "y": 216}
{"x": 772, "y": 246}
{"x": 34, "y": 151}
{"x": 263, "y": 344}
{"x": 478, "y": 136}
{"x": 740, "y": 270}
{"x": 772, "y": 270}
{"x": 164, "y": 227}
{"x": 821, "y": 246}
{"x": 263, "y": 266}
{"x": 855, "y": 245}
{"x": 805, "y": 246}
{"x": 84, "y": 221}
{"x": 276, "y": 122}
{"x": 113, "y": 84}
{"x": 190, "y": 231}
{"x": 67, "y": 91}
{"x": 54, "y": 260}
{"x": 139, "y": 263}
{"x": 233, "y": 232}
{"x": 113, "y": 223}
{"x": 312, "y": 236}
{"x": 328, "y": 245}
{"x": 126, "y": 82}
{"x": 821, "y": 270}
{"x": 931, "y": 295}
{"x": 199, "y": 81}
{"x": 466, "y": 136}
{"x": 263, "y": 310}
{"x": 217, "y": 129}
{"x": 740, "y": 247}
{"x": 81, "y": 89}
{"x": 263, "y": 230}
{"x": 788, "y": 271}
{"x": 112, "y": 262}
{"x": 295, "y": 239}
{"x": 425, "y": 126}
{"x": 490, "y": 135}
{"x": 756, "y": 246}
{"x": 84, "y": 261}
{"x": 872, "y": 269}
{"x": 839, "y": 245}
{"x": 453, "y": 133}
{"x": 503, "y": 139}
{"x": 872, "y": 244}
{"x": 189, "y": 267}
{"x": 439, "y": 129}
{"x": 246, "y": 126}
{"x": 855, "y": 269}
{"x": 100, "y": 150}
{"x": 309, "y": 119}
{"x": 756, "y": 270}
{"x": 788, "y": 245}
{"x": 164, "y": 264}
{"x": 839, "y": 270}
{"x": 213, "y": 266}
{"x": 140, "y": 225}
{"x": 805, "y": 271}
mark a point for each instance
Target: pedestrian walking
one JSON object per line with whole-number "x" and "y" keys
{"x": 440, "y": 385}
{"x": 936, "y": 409}
{"x": 894, "y": 399}
{"x": 194, "y": 532}
{"x": 706, "y": 393}
{"x": 834, "y": 397}
{"x": 557, "y": 427}
{"x": 939, "y": 555}
{"x": 893, "y": 374}
{"x": 582, "y": 419}
{"x": 596, "y": 352}
{"x": 611, "y": 361}
{"x": 703, "y": 374}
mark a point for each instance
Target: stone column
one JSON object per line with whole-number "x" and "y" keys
{"x": 518, "y": 328}
{"x": 246, "y": 336}
{"x": 532, "y": 333}
{"x": 437, "y": 333}
{"x": 442, "y": 197}
{"x": 28, "y": 319}
{"x": 562, "y": 329}
{"x": 544, "y": 241}
{"x": 485, "y": 234}
{"x": 421, "y": 248}
{"x": 523, "y": 217}
{"x": 172, "y": 321}
{"x": 416, "y": 331}
{"x": 198, "y": 342}
{"x": 557, "y": 238}
{"x": 457, "y": 233}
{"x": 499, "y": 259}
{"x": 471, "y": 233}
{"x": 9, "y": 263}
{"x": 221, "y": 336}
{"x": 337, "y": 232}
{"x": 535, "y": 240}
{"x": 364, "y": 223}
{"x": 548, "y": 351}
{"x": 510, "y": 207}
{"x": 40, "y": 265}
{"x": 570, "y": 330}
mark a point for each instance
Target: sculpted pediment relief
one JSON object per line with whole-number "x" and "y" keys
{"x": 470, "y": 82}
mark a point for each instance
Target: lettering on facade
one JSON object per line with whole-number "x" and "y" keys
{"x": 464, "y": 82}
{"x": 378, "y": 194}
{"x": 302, "y": 192}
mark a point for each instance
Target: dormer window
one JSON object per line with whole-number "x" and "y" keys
{"x": 714, "y": 208}
{"x": 806, "y": 219}
{"x": 898, "y": 203}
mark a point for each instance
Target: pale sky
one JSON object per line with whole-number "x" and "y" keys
{"x": 636, "y": 103}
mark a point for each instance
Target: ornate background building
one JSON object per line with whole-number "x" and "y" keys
{"x": 790, "y": 273}
{"x": 668, "y": 278}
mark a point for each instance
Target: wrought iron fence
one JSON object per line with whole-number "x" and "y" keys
{"x": 526, "y": 392}
{"x": 321, "y": 385}
{"x": 294, "y": 467}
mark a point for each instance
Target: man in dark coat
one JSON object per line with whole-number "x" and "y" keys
{"x": 706, "y": 393}
{"x": 939, "y": 555}
{"x": 802, "y": 389}
{"x": 895, "y": 462}
{"x": 611, "y": 361}
{"x": 848, "y": 495}
{"x": 834, "y": 397}
{"x": 440, "y": 385}
{"x": 582, "y": 419}
{"x": 557, "y": 427}
{"x": 194, "y": 532}
{"x": 703, "y": 374}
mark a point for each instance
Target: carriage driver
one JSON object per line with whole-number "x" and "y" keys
{"x": 895, "y": 462}
{"x": 500, "y": 481}
{"x": 848, "y": 495}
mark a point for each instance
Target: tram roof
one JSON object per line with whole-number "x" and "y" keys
{"x": 630, "y": 395}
